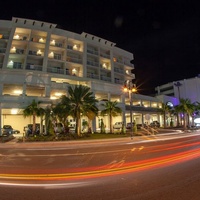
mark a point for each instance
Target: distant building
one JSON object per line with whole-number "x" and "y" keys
{"x": 186, "y": 89}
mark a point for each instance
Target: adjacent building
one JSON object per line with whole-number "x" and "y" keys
{"x": 186, "y": 89}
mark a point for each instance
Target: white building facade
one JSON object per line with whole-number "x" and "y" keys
{"x": 185, "y": 89}
{"x": 39, "y": 61}
{"x": 182, "y": 89}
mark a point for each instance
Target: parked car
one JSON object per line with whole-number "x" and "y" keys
{"x": 8, "y": 130}
{"x": 118, "y": 125}
{"x": 155, "y": 124}
{"x": 128, "y": 125}
{"x": 15, "y": 131}
{"x": 29, "y": 129}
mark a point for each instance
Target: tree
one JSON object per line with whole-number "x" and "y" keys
{"x": 176, "y": 112}
{"x": 91, "y": 114}
{"x": 196, "y": 112}
{"x": 33, "y": 110}
{"x": 164, "y": 110}
{"x": 187, "y": 108}
{"x": 61, "y": 111}
{"x": 47, "y": 118}
{"x": 81, "y": 101}
{"x": 112, "y": 110}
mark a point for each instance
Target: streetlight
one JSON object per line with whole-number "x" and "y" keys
{"x": 130, "y": 88}
{"x": 178, "y": 85}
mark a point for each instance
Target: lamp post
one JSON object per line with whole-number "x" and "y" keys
{"x": 178, "y": 85}
{"x": 130, "y": 88}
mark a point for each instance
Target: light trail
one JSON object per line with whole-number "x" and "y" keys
{"x": 96, "y": 172}
{"x": 171, "y": 146}
{"x": 49, "y": 185}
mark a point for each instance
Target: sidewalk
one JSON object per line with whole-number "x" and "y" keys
{"x": 140, "y": 136}
{"x": 139, "y": 133}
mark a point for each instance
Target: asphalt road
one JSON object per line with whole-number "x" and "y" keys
{"x": 163, "y": 167}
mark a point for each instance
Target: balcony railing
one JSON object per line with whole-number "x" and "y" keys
{"x": 38, "y": 39}
{"x": 56, "y": 85}
{"x": 119, "y": 81}
{"x": 74, "y": 60}
{"x": 128, "y": 63}
{"x": 92, "y": 75}
{"x": 104, "y": 55}
{"x": 105, "y": 78}
{"x": 55, "y": 70}
{"x": 93, "y": 63}
{"x": 16, "y": 65}
{"x": 92, "y": 51}
{"x": 34, "y": 67}
{"x": 17, "y": 51}
{"x": 118, "y": 60}
{"x": 20, "y": 37}
{"x": 35, "y": 53}
{"x": 6, "y": 37}
{"x": 120, "y": 71}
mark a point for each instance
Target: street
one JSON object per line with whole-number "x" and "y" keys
{"x": 164, "y": 167}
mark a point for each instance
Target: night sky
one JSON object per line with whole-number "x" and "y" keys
{"x": 163, "y": 35}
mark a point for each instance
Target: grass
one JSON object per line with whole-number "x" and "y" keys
{"x": 72, "y": 136}
{"x": 42, "y": 138}
{"x": 104, "y": 136}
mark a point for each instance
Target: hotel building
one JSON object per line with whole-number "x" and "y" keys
{"x": 39, "y": 61}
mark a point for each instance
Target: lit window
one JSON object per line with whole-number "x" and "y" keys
{"x": 14, "y": 111}
{"x": 41, "y": 40}
{"x": 16, "y": 37}
{"x": 53, "y": 42}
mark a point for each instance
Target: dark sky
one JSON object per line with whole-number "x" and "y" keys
{"x": 163, "y": 35}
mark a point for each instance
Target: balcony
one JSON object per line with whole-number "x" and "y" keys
{"x": 105, "y": 78}
{"x": 20, "y": 37}
{"x": 105, "y": 55}
{"x": 118, "y": 60}
{"x": 2, "y": 50}
{"x": 56, "y": 56}
{"x": 14, "y": 65}
{"x": 92, "y": 75}
{"x": 55, "y": 70}
{"x": 56, "y": 44}
{"x": 74, "y": 60}
{"x": 55, "y": 85}
{"x": 38, "y": 39}
{"x": 35, "y": 53}
{"x": 34, "y": 67}
{"x": 118, "y": 70}
{"x": 17, "y": 51}
{"x": 93, "y": 52}
{"x": 74, "y": 47}
{"x": 119, "y": 81}
{"x": 92, "y": 63}
{"x": 3, "y": 36}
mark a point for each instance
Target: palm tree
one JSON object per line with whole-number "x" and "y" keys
{"x": 33, "y": 110}
{"x": 81, "y": 102}
{"x": 196, "y": 111}
{"x": 41, "y": 113}
{"x": 112, "y": 110}
{"x": 176, "y": 112}
{"x": 187, "y": 108}
{"x": 47, "y": 118}
{"x": 164, "y": 110}
{"x": 91, "y": 114}
{"x": 62, "y": 111}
